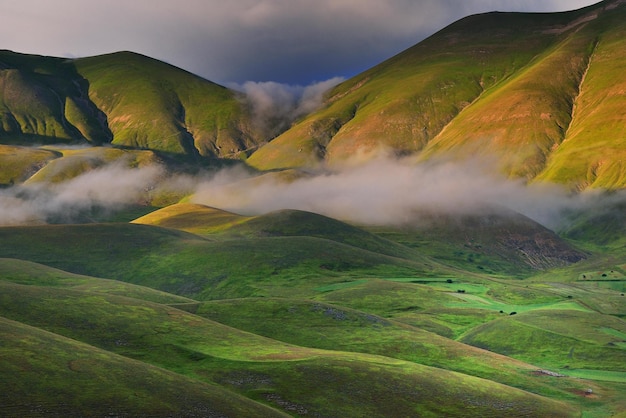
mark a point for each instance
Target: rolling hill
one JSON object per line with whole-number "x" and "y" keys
{"x": 254, "y": 305}
{"x": 298, "y": 302}
{"x": 263, "y": 369}
{"x": 60, "y": 376}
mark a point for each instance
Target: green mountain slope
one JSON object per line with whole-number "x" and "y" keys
{"x": 592, "y": 152}
{"x": 540, "y": 93}
{"x": 150, "y": 104}
{"x": 496, "y": 241}
{"x": 124, "y": 98}
{"x": 527, "y": 115}
{"x": 43, "y": 100}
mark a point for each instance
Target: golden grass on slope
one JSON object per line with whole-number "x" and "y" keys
{"x": 19, "y": 163}
{"x": 76, "y": 161}
{"x": 191, "y": 217}
{"x": 509, "y": 86}
{"x": 525, "y": 118}
{"x": 405, "y": 101}
{"x": 593, "y": 153}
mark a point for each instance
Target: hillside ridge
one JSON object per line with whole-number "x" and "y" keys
{"x": 123, "y": 98}
{"x": 500, "y": 84}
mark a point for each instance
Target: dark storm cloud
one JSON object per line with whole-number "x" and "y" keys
{"x": 288, "y": 41}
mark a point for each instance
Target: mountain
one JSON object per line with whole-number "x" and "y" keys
{"x": 542, "y": 93}
{"x": 493, "y": 242}
{"x": 124, "y": 99}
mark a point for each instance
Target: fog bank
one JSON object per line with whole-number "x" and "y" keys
{"x": 108, "y": 188}
{"x": 388, "y": 190}
{"x": 382, "y": 191}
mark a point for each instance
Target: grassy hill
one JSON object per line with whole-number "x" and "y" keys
{"x": 254, "y": 304}
{"x": 540, "y": 93}
{"x": 496, "y": 242}
{"x": 20, "y": 163}
{"x": 191, "y": 217}
{"x": 283, "y": 223}
{"x": 71, "y": 163}
{"x": 189, "y": 265}
{"x": 124, "y": 99}
{"x": 263, "y": 369}
{"x": 57, "y": 376}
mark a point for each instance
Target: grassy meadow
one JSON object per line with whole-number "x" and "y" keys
{"x": 302, "y": 314}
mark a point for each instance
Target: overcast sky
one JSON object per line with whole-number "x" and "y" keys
{"x": 226, "y": 41}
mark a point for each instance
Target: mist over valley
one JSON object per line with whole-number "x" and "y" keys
{"x": 442, "y": 234}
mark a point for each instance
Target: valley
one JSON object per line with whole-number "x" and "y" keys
{"x": 444, "y": 235}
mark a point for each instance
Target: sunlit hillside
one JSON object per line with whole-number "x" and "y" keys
{"x": 540, "y": 93}
{"x": 444, "y": 237}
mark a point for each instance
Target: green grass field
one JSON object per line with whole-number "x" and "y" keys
{"x": 255, "y": 304}
{"x": 208, "y": 351}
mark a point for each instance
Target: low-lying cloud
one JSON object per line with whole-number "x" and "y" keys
{"x": 276, "y": 105}
{"x": 110, "y": 188}
{"x": 384, "y": 190}
{"x": 388, "y": 190}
